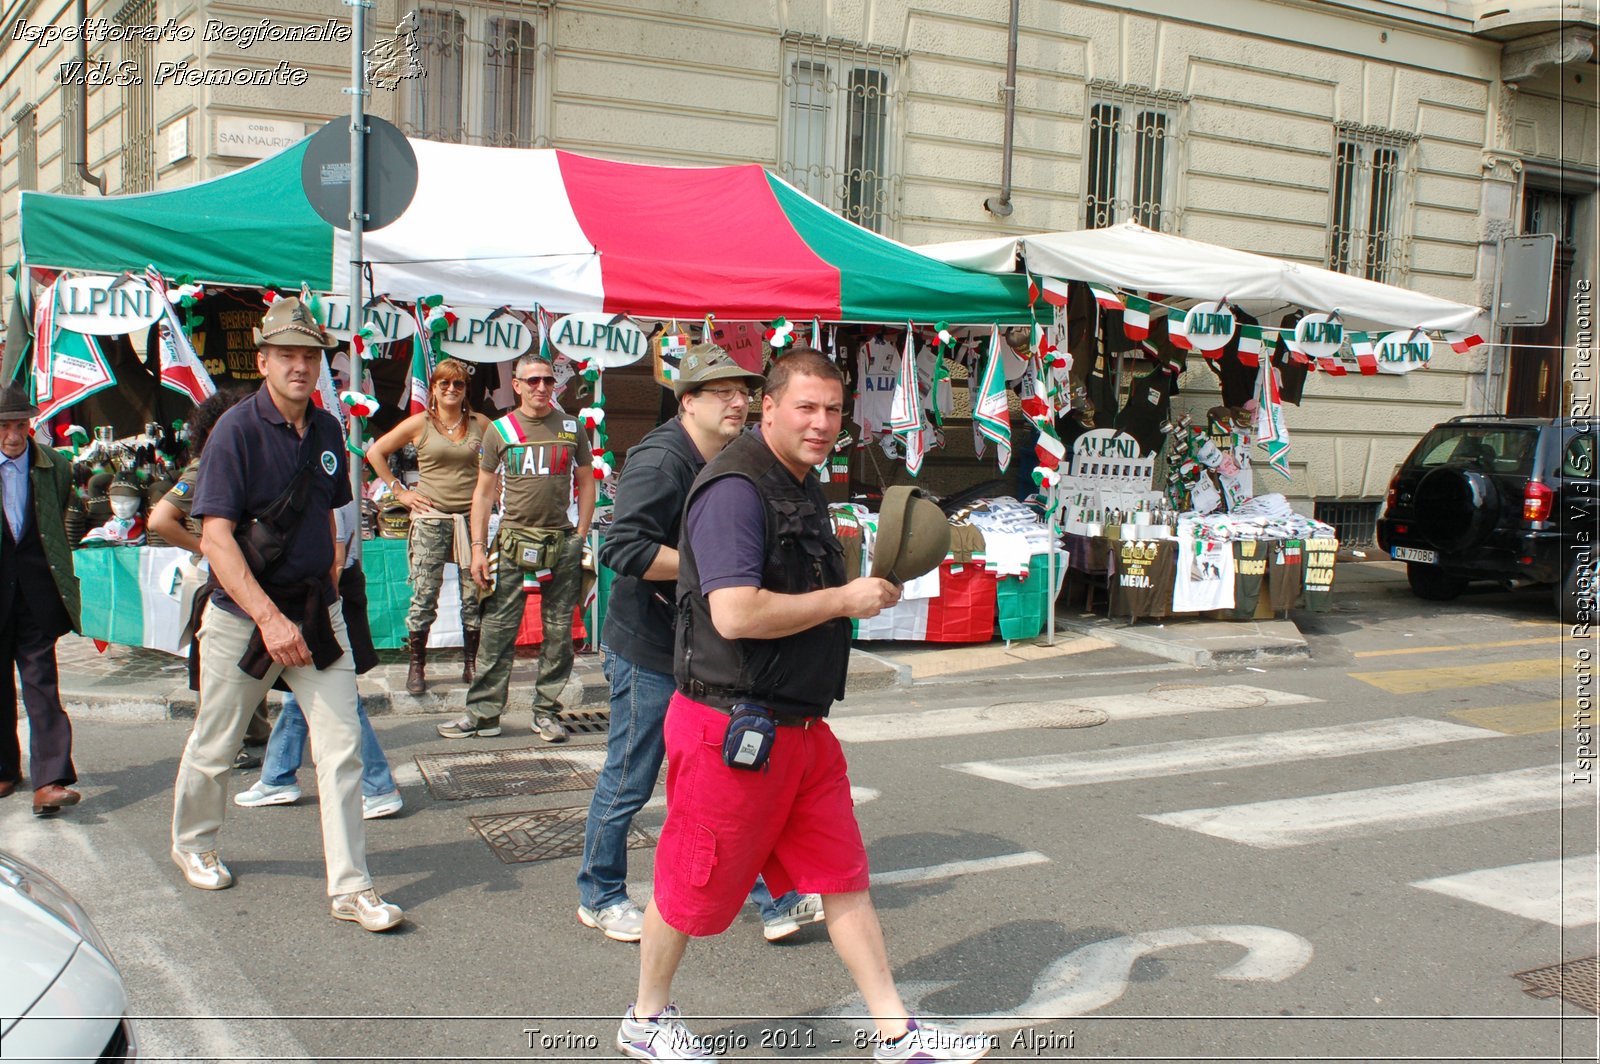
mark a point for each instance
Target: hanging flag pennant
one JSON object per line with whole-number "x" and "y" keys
{"x": 1106, "y": 297}
{"x": 1136, "y": 318}
{"x": 78, "y": 369}
{"x": 1054, "y": 292}
{"x": 44, "y": 339}
{"x": 905, "y": 408}
{"x": 1332, "y": 366}
{"x": 1462, "y": 342}
{"x": 325, "y": 395}
{"x": 1271, "y": 431}
{"x": 991, "y": 409}
{"x": 360, "y": 403}
{"x": 181, "y": 368}
{"x": 1366, "y": 352}
{"x": 1252, "y": 344}
{"x": 1176, "y": 329}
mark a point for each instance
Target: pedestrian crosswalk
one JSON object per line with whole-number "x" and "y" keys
{"x": 1560, "y": 892}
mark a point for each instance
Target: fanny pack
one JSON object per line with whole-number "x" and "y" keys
{"x": 751, "y": 733}
{"x": 532, "y": 549}
{"x": 264, "y": 539}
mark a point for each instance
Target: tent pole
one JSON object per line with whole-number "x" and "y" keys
{"x": 358, "y": 215}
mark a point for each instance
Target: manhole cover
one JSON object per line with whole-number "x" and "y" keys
{"x": 587, "y": 721}
{"x": 1044, "y": 714}
{"x": 496, "y": 773}
{"x": 1202, "y": 697}
{"x": 1576, "y": 982}
{"x": 519, "y": 837}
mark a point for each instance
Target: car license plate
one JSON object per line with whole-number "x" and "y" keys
{"x": 1412, "y": 554}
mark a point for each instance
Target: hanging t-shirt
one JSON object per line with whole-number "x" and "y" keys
{"x": 1320, "y": 557}
{"x": 1238, "y": 380}
{"x": 1141, "y": 583}
{"x": 877, "y": 370}
{"x": 1149, "y": 403}
{"x": 1285, "y": 564}
{"x": 1249, "y": 571}
{"x": 1204, "y": 580}
{"x": 1291, "y": 371}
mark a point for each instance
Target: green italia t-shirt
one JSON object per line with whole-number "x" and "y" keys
{"x": 539, "y": 459}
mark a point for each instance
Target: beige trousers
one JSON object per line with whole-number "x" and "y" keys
{"x": 227, "y": 698}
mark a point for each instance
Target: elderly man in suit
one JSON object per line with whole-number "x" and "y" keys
{"x": 38, "y": 605}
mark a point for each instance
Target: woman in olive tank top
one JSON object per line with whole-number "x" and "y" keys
{"x": 448, "y": 437}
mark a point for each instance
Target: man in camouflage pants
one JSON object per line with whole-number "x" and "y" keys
{"x": 544, "y": 455}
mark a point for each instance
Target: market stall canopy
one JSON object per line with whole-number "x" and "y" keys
{"x": 519, "y": 227}
{"x": 1130, "y": 256}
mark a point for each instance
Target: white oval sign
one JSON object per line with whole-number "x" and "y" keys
{"x": 90, "y": 305}
{"x": 1209, "y": 326}
{"x": 476, "y": 338}
{"x": 390, "y": 321}
{"x": 1402, "y": 352}
{"x": 1319, "y": 336}
{"x": 610, "y": 340}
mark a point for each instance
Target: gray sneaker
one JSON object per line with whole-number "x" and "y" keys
{"x": 467, "y": 726}
{"x": 662, "y": 1037}
{"x": 547, "y": 726}
{"x": 808, "y": 910}
{"x": 622, "y": 922}
{"x": 259, "y": 794}
{"x": 366, "y": 908}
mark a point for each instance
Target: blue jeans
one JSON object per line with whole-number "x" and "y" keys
{"x": 772, "y": 909}
{"x": 286, "y": 749}
{"x": 635, "y": 748}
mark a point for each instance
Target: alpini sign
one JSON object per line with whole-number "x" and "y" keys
{"x": 92, "y": 305}
{"x": 611, "y": 340}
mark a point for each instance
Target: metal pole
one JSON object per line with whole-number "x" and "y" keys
{"x": 358, "y": 215}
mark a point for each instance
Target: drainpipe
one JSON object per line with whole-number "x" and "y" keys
{"x": 83, "y": 104}
{"x": 1000, "y": 206}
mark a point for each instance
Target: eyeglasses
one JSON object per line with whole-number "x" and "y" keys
{"x": 727, "y": 395}
{"x": 537, "y": 382}
{"x": 454, "y": 386}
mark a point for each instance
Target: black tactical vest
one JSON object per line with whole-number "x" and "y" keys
{"x": 800, "y": 675}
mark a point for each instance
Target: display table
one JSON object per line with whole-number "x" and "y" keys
{"x": 1265, "y": 576}
{"x": 131, "y": 597}
{"x": 971, "y": 605}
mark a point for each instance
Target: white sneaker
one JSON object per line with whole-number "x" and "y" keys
{"x": 263, "y": 794}
{"x": 381, "y": 805}
{"x": 204, "y": 871}
{"x": 662, "y": 1037}
{"x": 367, "y": 909}
{"x": 925, "y": 1044}
{"x": 808, "y": 910}
{"x": 622, "y": 922}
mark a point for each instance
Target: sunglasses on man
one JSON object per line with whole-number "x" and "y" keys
{"x": 537, "y": 382}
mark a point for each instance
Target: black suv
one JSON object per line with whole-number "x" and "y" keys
{"x": 1499, "y": 498}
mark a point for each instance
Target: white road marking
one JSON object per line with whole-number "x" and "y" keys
{"x": 1560, "y": 892}
{"x": 1211, "y": 755}
{"x": 959, "y": 868}
{"x": 135, "y": 902}
{"x": 1352, "y": 814}
{"x": 970, "y": 720}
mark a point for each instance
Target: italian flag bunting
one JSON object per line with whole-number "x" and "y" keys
{"x": 1106, "y": 297}
{"x": 1462, "y": 342}
{"x": 991, "y": 413}
{"x": 1175, "y": 329}
{"x": 421, "y": 365}
{"x": 1366, "y": 352}
{"x": 1055, "y": 292}
{"x": 1252, "y": 345}
{"x": 1136, "y": 318}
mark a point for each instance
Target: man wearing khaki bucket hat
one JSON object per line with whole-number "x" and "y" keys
{"x": 273, "y": 473}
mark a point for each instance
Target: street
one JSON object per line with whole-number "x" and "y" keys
{"x": 1098, "y": 855}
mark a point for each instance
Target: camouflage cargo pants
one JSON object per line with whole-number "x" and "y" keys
{"x": 502, "y": 617}
{"x": 429, "y": 550}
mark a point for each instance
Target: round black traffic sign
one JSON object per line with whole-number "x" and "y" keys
{"x": 391, "y": 173}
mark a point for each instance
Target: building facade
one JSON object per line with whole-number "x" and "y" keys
{"x": 1394, "y": 139}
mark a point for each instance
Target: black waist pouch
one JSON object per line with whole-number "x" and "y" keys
{"x": 751, "y": 733}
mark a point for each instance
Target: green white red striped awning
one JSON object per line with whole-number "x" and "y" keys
{"x": 517, "y": 227}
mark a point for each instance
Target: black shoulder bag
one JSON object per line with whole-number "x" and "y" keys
{"x": 264, "y": 539}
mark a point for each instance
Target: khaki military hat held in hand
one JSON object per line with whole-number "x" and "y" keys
{"x": 913, "y": 535}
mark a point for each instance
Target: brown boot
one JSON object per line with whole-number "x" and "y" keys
{"x": 416, "y": 680}
{"x": 469, "y": 654}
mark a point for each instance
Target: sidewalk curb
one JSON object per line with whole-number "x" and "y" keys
{"x": 1198, "y": 652}
{"x": 587, "y": 689}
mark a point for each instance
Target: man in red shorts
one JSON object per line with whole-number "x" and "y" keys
{"x": 764, "y": 612}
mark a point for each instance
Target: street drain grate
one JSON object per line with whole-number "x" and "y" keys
{"x": 497, "y": 773}
{"x": 587, "y": 721}
{"x": 1576, "y": 982}
{"x": 520, "y": 837}
{"x": 1044, "y": 714}
{"x": 1202, "y": 697}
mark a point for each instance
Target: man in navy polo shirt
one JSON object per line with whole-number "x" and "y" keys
{"x": 276, "y": 611}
